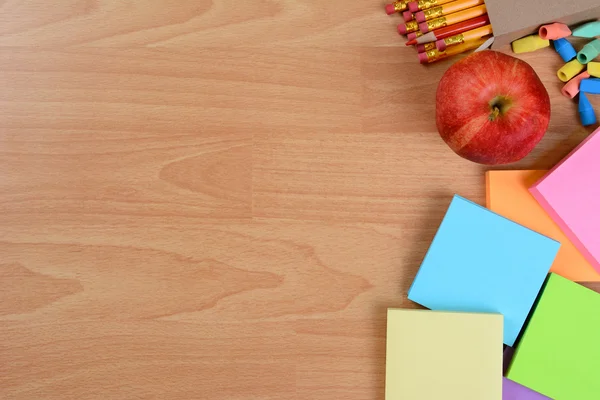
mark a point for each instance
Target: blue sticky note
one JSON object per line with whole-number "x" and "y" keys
{"x": 480, "y": 261}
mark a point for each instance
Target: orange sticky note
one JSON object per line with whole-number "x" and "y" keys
{"x": 508, "y": 195}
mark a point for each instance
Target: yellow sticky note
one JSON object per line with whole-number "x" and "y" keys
{"x": 443, "y": 355}
{"x": 508, "y": 195}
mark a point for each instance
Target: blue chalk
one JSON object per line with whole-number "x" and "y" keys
{"x": 565, "y": 49}
{"x": 482, "y": 262}
{"x": 590, "y": 85}
{"x": 586, "y": 111}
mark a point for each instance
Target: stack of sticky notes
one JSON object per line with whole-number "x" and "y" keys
{"x": 433, "y": 355}
{"x": 506, "y": 274}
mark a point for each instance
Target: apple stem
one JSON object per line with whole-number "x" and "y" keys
{"x": 495, "y": 113}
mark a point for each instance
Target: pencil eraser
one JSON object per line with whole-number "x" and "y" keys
{"x": 390, "y": 9}
{"x": 420, "y": 16}
{"x": 420, "y": 48}
{"x": 589, "y": 52}
{"x": 412, "y": 36}
{"x": 423, "y": 27}
{"x": 593, "y": 68}
{"x": 565, "y": 49}
{"x": 571, "y": 89}
{"x": 589, "y": 30}
{"x": 554, "y": 31}
{"x": 590, "y": 85}
{"x": 586, "y": 111}
{"x": 407, "y": 15}
{"x": 569, "y": 70}
{"x": 413, "y": 6}
{"x": 402, "y": 29}
{"x": 529, "y": 43}
{"x": 423, "y": 58}
{"x": 440, "y": 44}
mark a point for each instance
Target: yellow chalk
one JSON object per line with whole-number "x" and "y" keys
{"x": 569, "y": 70}
{"x": 593, "y": 69}
{"x": 529, "y": 43}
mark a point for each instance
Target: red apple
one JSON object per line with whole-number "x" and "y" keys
{"x": 492, "y": 108}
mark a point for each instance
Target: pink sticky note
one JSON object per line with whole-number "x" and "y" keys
{"x": 570, "y": 194}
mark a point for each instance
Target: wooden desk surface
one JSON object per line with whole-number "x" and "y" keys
{"x": 216, "y": 200}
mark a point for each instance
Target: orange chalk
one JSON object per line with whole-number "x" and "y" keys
{"x": 554, "y": 31}
{"x": 571, "y": 89}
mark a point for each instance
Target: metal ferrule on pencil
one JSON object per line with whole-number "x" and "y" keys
{"x": 436, "y": 23}
{"x": 434, "y": 12}
{"x": 456, "y": 39}
{"x": 412, "y": 26}
{"x": 401, "y": 5}
{"x": 425, "y": 4}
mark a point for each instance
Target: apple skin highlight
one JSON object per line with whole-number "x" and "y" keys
{"x": 492, "y": 108}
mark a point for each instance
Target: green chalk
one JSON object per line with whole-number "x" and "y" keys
{"x": 589, "y": 30}
{"x": 589, "y": 52}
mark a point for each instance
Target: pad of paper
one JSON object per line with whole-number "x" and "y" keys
{"x": 443, "y": 355}
{"x": 570, "y": 194}
{"x": 508, "y": 195}
{"x": 513, "y": 391}
{"x": 559, "y": 353}
{"x": 482, "y": 262}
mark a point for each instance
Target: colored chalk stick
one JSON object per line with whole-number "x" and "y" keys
{"x": 507, "y": 193}
{"x": 554, "y": 31}
{"x": 571, "y": 88}
{"x": 589, "y": 30}
{"x": 590, "y": 85}
{"x": 529, "y": 43}
{"x": 569, "y": 70}
{"x": 593, "y": 68}
{"x": 460, "y": 352}
{"x": 565, "y": 49}
{"x": 589, "y": 52}
{"x": 570, "y": 193}
{"x": 559, "y": 352}
{"x": 586, "y": 111}
{"x": 513, "y": 391}
{"x": 480, "y": 261}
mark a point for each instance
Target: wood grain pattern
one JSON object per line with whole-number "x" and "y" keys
{"x": 212, "y": 200}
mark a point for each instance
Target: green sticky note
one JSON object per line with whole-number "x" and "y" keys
{"x": 559, "y": 353}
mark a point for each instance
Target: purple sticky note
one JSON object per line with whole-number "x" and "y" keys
{"x": 513, "y": 391}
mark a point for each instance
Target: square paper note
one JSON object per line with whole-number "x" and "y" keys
{"x": 443, "y": 355}
{"x": 513, "y": 391}
{"x": 482, "y": 262}
{"x": 508, "y": 195}
{"x": 559, "y": 354}
{"x": 570, "y": 193}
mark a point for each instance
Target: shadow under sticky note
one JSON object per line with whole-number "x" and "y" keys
{"x": 480, "y": 261}
{"x": 507, "y": 193}
{"x": 570, "y": 194}
{"x": 559, "y": 352}
{"x": 443, "y": 355}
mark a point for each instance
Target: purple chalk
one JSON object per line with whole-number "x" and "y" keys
{"x": 513, "y": 391}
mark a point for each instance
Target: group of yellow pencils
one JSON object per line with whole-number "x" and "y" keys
{"x": 442, "y": 28}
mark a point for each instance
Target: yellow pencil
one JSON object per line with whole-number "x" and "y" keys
{"x": 436, "y": 55}
{"x": 453, "y": 18}
{"x": 473, "y": 34}
{"x": 446, "y": 9}
{"x": 397, "y": 6}
{"x": 415, "y": 6}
